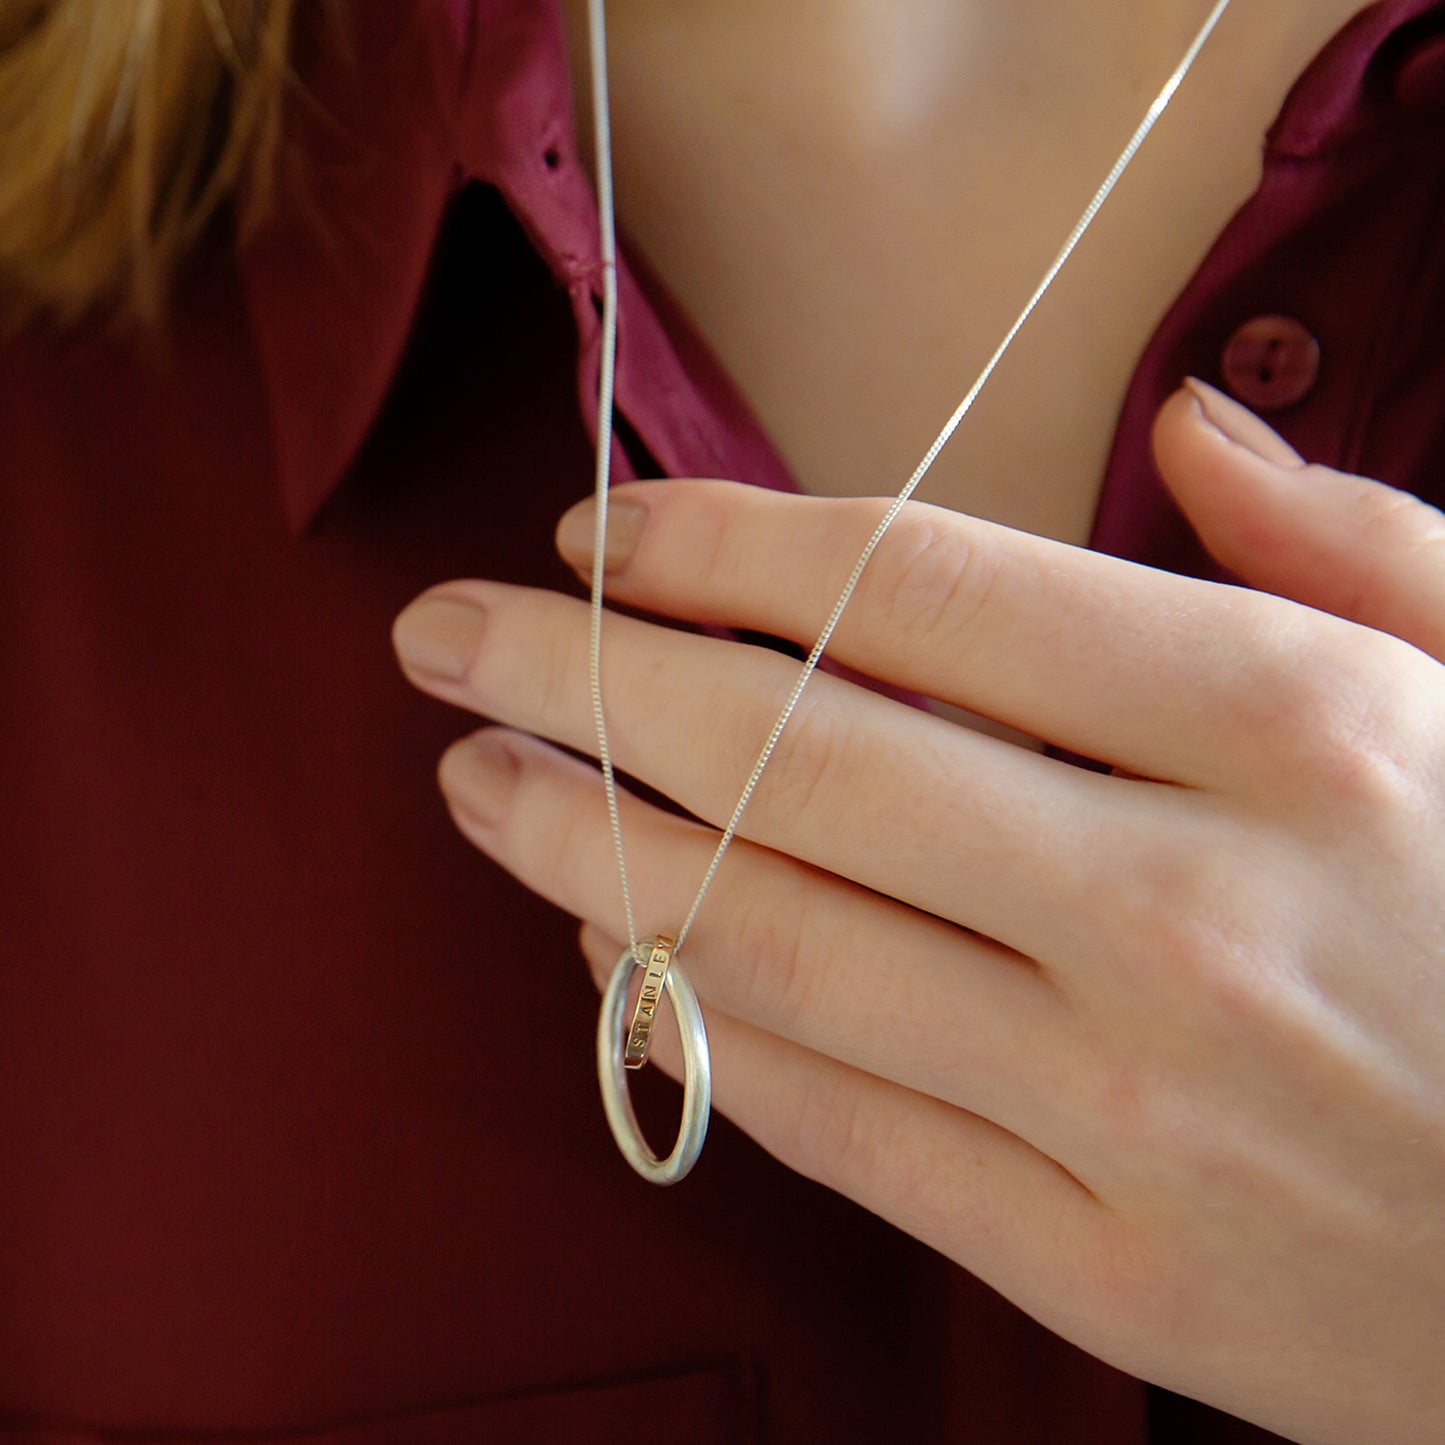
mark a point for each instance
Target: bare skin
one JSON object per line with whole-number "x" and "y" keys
{"x": 852, "y": 200}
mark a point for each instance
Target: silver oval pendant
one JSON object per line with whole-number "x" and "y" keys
{"x": 612, "y": 1034}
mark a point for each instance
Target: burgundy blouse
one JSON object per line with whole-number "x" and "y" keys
{"x": 269, "y": 1169}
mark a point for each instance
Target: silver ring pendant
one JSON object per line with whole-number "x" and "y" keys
{"x": 696, "y": 1075}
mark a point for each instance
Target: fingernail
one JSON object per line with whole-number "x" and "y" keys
{"x": 625, "y": 521}
{"x": 479, "y": 776}
{"x": 439, "y": 636}
{"x": 1240, "y": 425}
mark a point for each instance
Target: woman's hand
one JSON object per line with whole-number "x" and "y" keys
{"x": 1158, "y": 1054}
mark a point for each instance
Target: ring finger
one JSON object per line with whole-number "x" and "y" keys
{"x": 1006, "y": 1211}
{"x": 795, "y": 951}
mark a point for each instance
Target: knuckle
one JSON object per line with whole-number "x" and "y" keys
{"x": 730, "y": 728}
{"x": 830, "y": 1138}
{"x": 711, "y": 538}
{"x": 1160, "y": 1136}
{"x": 1351, "y": 732}
{"x": 1388, "y": 521}
{"x": 553, "y": 665}
{"x": 779, "y": 973}
{"x": 1202, "y": 924}
{"x": 809, "y": 756}
{"x": 1146, "y": 1115}
{"x": 1171, "y": 908}
{"x": 1122, "y": 1102}
{"x": 934, "y": 574}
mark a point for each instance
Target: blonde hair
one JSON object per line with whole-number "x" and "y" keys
{"x": 124, "y": 127}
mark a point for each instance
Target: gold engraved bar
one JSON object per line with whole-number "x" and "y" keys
{"x": 654, "y": 980}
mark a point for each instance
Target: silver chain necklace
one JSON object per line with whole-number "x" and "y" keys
{"x": 623, "y": 1043}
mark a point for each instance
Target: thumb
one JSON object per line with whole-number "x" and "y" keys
{"x": 1339, "y": 543}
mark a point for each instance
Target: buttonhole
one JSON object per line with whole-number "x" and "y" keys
{"x": 1267, "y": 367}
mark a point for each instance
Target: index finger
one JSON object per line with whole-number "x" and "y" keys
{"x": 1163, "y": 675}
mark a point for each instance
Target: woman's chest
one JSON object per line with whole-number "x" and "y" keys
{"x": 852, "y": 210}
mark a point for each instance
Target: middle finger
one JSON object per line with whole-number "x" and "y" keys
{"x": 1022, "y": 848}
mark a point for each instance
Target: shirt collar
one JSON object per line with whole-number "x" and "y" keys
{"x": 397, "y": 111}
{"x": 1341, "y": 94}
{"x": 419, "y": 99}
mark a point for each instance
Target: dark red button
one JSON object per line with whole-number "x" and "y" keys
{"x": 1270, "y": 363}
{"x": 1420, "y": 78}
